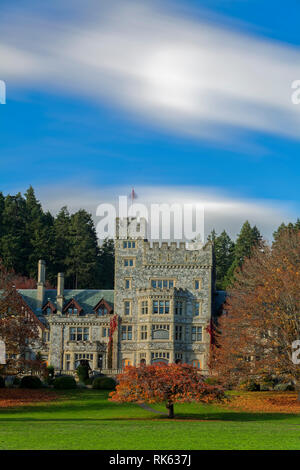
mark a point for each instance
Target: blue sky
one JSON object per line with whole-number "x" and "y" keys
{"x": 169, "y": 96}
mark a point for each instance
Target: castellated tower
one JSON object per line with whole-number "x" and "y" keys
{"x": 163, "y": 294}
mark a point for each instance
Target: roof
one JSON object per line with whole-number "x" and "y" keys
{"x": 87, "y": 298}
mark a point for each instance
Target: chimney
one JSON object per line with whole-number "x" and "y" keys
{"x": 60, "y": 292}
{"x": 41, "y": 283}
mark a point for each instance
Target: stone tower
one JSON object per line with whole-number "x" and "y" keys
{"x": 163, "y": 294}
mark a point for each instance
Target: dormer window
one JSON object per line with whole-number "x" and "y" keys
{"x": 73, "y": 311}
{"x": 73, "y": 308}
{"x": 48, "y": 308}
{"x": 102, "y": 311}
{"x": 103, "y": 308}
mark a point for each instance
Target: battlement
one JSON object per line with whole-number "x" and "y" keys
{"x": 177, "y": 246}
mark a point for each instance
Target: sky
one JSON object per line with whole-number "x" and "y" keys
{"x": 183, "y": 100}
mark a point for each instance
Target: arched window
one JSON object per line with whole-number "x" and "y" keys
{"x": 126, "y": 362}
{"x": 196, "y": 364}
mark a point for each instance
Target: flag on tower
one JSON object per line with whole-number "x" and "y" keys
{"x": 133, "y": 195}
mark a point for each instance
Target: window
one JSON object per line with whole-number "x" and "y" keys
{"x": 144, "y": 307}
{"x": 126, "y": 362}
{"x": 126, "y": 333}
{"x": 178, "y": 307}
{"x": 160, "y": 355}
{"x": 142, "y": 359}
{"x": 178, "y": 357}
{"x": 127, "y": 307}
{"x": 46, "y": 336}
{"x": 129, "y": 244}
{"x": 105, "y": 332}
{"x": 128, "y": 262}
{"x": 72, "y": 311}
{"x": 144, "y": 332}
{"x": 68, "y": 361}
{"x": 197, "y": 284}
{"x": 196, "y": 364}
{"x": 102, "y": 311}
{"x": 178, "y": 333}
{"x": 79, "y": 334}
{"x": 197, "y": 333}
{"x": 161, "y": 307}
{"x": 88, "y": 357}
{"x": 162, "y": 283}
{"x": 127, "y": 283}
{"x": 197, "y": 308}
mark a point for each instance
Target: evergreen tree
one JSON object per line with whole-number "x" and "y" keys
{"x": 106, "y": 265}
{"x": 291, "y": 227}
{"x": 62, "y": 228}
{"x": 39, "y": 228}
{"x": 81, "y": 262}
{"x": 224, "y": 256}
{"x": 14, "y": 241}
{"x": 246, "y": 240}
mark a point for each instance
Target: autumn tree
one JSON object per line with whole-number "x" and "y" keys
{"x": 262, "y": 319}
{"x": 169, "y": 384}
{"x": 18, "y": 326}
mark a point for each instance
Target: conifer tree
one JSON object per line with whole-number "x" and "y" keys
{"x": 14, "y": 240}
{"x": 106, "y": 262}
{"x": 81, "y": 261}
{"x": 248, "y": 238}
{"x": 224, "y": 256}
{"x": 39, "y": 228}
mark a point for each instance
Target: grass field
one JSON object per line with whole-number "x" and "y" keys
{"x": 84, "y": 419}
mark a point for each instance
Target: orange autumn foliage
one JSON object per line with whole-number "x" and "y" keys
{"x": 11, "y": 397}
{"x": 262, "y": 319}
{"x": 265, "y": 402}
{"x": 172, "y": 383}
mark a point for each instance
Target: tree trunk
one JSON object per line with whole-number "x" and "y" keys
{"x": 170, "y": 408}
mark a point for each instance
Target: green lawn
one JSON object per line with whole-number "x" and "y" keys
{"x": 84, "y": 419}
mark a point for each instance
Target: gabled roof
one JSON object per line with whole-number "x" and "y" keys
{"x": 49, "y": 304}
{"x": 86, "y": 298}
{"x": 72, "y": 303}
{"x": 103, "y": 303}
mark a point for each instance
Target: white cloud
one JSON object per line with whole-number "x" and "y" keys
{"x": 184, "y": 75}
{"x": 222, "y": 210}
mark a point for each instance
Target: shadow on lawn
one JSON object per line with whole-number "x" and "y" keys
{"x": 74, "y": 402}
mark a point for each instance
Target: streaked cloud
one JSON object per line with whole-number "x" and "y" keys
{"x": 222, "y": 210}
{"x": 188, "y": 76}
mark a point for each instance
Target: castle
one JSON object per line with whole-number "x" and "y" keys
{"x": 159, "y": 311}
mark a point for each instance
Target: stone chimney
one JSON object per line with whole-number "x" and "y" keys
{"x": 60, "y": 293}
{"x": 41, "y": 283}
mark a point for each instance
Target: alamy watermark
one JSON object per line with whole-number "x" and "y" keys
{"x": 2, "y": 92}
{"x": 163, "y": 222}
{"x": 296, "y": 351}
{"x": 295, "y": 97}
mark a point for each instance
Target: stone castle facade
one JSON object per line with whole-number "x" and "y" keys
{"x": 161, "y": 305}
